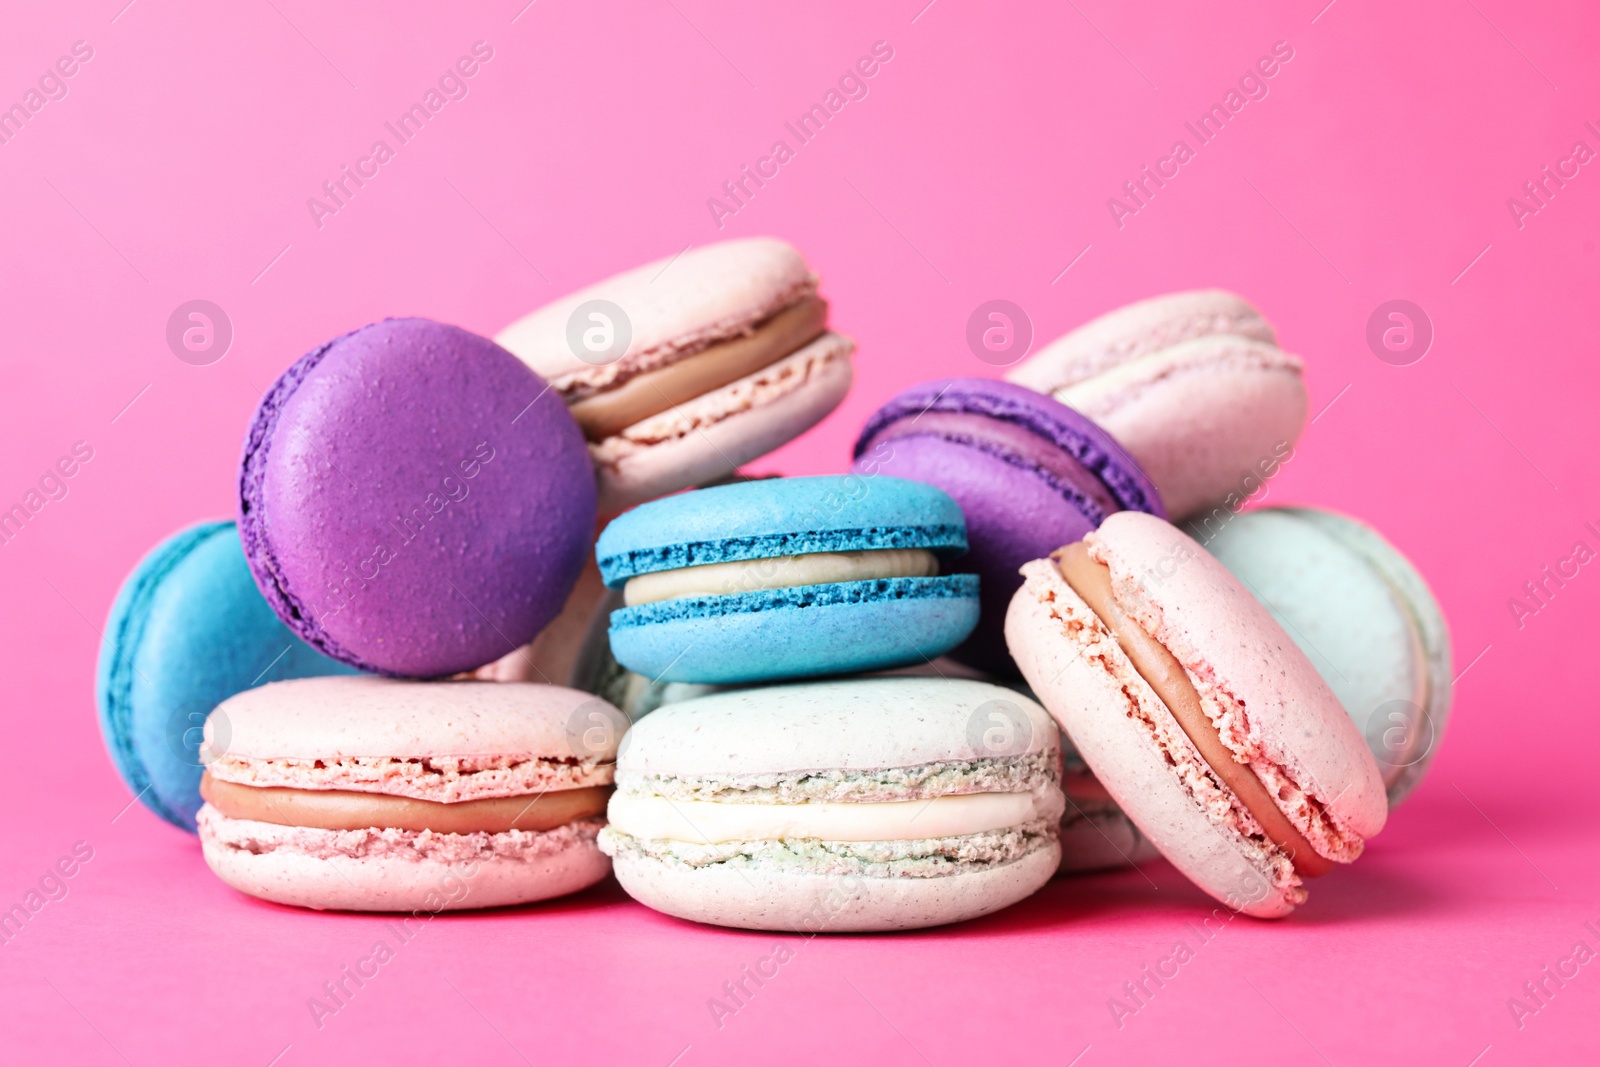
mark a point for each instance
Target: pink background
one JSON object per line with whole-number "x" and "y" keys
{"x": 178, "y": 167}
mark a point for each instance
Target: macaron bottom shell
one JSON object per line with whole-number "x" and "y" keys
{"x": 754, "y": 897}
{"x": 316, "y": 869}
{"x": 800, "y": 631}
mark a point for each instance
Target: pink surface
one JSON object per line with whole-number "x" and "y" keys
{"x": 977, "y": 167}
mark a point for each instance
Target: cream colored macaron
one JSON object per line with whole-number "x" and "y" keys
{"x": 861, "y": 804}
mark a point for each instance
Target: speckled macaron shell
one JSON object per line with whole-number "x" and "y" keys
{"x": 800, "y": 631}
{"x": 832, "y": 728}
{"x": 856, "y": 724}
{"x": 1192, "y": 384}
{"x": 1363, "y": 616}
{"x": 1224, "y": 637}
{"x": 1139, "y": 329}
{"x": 674, "y": 307}
{"x": 413, "y": 501}
{"x": 1024, "y": 494}
{"x": 338, "y": 718}
{"x": 188, "y": 629}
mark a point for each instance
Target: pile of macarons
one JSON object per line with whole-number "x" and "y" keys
{"x": 498, "y": 618}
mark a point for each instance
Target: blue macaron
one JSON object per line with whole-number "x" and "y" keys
{"x": 787, "y": 578}
{"x": 1360, "y": 612}
{"x": 188, "y": 630}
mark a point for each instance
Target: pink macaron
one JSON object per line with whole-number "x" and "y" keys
{"x": 683, "y": 369}
{"x": 1192, "y": 384}
{"x": 1205, "y": 723}
{"x": 368, "y": 794}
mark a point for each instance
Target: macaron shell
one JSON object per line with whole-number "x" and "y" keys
{"x": 1365, "y": 618}
{"x": 403, "y": 883}
{"x": 1230, "y": 645}
{"x": 335, "y": 718}
{"x": 854, "y": 724}
{"x": 717, "y": 449}
{"x": 1204, "y": 426}
{"x": 1015, "y": 511}
{"x": 779, "y": 517}
{"x": 188, "y": 630}
{"x": 1090, "y": 700}
{"x": 413, "y": 501}
{"x": 798, "y": 632}
{"x": 755, "y": 897}
{"x": 676, "y": 303}
{"x": 1012, "y": 516}
{"x": 1137, "y": 329}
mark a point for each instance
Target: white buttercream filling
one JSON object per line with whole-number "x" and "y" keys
{"x": 781, "y": 572}
{"x": 708, "y": 822}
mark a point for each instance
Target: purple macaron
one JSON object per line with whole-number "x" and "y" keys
{"x": 413, "y": 500}
{"x": 1029, "y": 473}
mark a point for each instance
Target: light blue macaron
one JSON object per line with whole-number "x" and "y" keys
{"x": 745, "y": 624}
{"x": 188, "y": 630}
{"x": 1361, "y": 613}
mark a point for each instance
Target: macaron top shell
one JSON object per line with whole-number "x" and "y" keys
{"x": 779, "y": 517}
{"x": 360, "y": 717}
{"x": 860, "y": 724}
{"x": 1139, "y": 329}
{"x": 1276, "y": 708}
{"x": 1044, "y": 418}
{"x": 674, "y": 306}
{"x": 412, "y": 499}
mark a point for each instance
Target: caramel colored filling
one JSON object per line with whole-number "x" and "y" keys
{"x": 653, "y": 392}
{"x": 1161, "y": 669}
{"x": 334, "y": 809}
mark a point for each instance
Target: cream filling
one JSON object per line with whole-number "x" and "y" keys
{"x": 708, "y": 822}
{"x": 1214, "y": 350}
{"x": 781, "y": 572}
